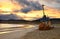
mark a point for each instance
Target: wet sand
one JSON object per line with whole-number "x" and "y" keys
{"x": 45, "y": 34}
{"x": 16, "y": 33}
{"x": 31, "y": 33}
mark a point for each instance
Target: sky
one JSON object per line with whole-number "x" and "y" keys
{"x": 51, "y": 3}
{"x": 30, "y": 9}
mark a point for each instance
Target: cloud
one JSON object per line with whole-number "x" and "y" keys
{"x": 51, "y": 3}
{"x": 25, "y": 10}
{"x": 8, "y": 17}
{"x": 4, "y": 0}
{"x": 36, "y": 4}
{"x": 29, "y": 5}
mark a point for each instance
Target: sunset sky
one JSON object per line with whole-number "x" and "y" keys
{"x": 29, "y": 9}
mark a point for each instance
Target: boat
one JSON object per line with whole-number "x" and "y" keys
{"x": 45, "y": 23}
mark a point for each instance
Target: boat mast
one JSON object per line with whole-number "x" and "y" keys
{"x": 43, "y": 10}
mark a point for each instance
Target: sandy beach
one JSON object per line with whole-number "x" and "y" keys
{"x": 47, "y": 34}
{"x": 29, "y": 32}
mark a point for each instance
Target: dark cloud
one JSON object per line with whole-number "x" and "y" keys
{"x": 8, "y": 17}
{"x": 29, "y": 5}
{"x": 25, "y": 10}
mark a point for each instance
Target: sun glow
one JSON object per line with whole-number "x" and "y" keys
{"x": 8, "y": 8}
{"x": 33, "y": 15}
{"x": 5, "y": 6}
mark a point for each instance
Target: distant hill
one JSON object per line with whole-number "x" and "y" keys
{"x": 53, "y": 20}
